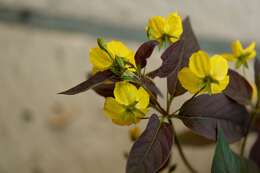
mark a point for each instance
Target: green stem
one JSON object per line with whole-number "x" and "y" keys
{"x": 251, "y": 121}
{"x": 169, "y": 102}
{"x": 183, "y": 157}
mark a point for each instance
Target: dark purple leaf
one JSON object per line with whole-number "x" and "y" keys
{"x": 188, "y": 138}
{"x": 255, "y": 151}
{"x": 257, "y": 73}
{"x": 171, "y": 59}
{"x": 182, "y": 49}
{"x": 166, "y": 165}
{"x": 173, "y": 84}
{"x": 144, "y": 52}
{"x": 105, "y": 89}
{"x": 150, "y": 85}
{"x": 89, "y": 83}
{"x": 191, "y": 45}
{"x": 203, "y": 113}
{"x": 179, "y": 89}
{"x": 152, "y": 150}
{"x": 239, "y": 89}
{"x": 176, "y": 57}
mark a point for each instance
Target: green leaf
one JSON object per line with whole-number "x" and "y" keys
{"x": 226, "y": 161}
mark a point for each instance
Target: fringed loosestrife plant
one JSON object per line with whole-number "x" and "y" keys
{"x": 241, "y": 55}
{"x": 129, "y": 105}
{"x": 165, "y": 29}
{"x": 220, "y": 107}
{"x": 204, "y": 73}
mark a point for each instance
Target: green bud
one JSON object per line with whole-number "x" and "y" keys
{"x": 102, "y": 44}
{"x": 120, "y": 62}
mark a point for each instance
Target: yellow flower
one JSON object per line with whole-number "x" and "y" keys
{"x": 129, "y": 104}
{"x": 134, "y": 133}
{"x": 111, "y": 56}
{"x": 241, "y": 55}
{"x": 165, "y": 29}
{"x": 204, "y": 74}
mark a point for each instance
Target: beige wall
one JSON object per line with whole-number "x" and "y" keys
{"x": 45, "y": 132}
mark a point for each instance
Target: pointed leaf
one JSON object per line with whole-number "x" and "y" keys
{"x": 105, "y": 89}
{"x": 191, "y": 45}
{"x": 89, "y": 83}
{"x": 178, "y": 52}
{"x": 257, "y": 73}
{"x": 203, "y": 113}
{"x": 152, "y": 150}
{"x": 171, "y": 59}
{"x": 144, "y": 52}
{"x": 226, "y": 161}
{"x": 150, "y": 85}
{"x": 239, "y": 89}
{"x": 188, "y": 138}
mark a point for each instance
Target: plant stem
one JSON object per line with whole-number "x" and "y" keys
{"x": 183, "y": 157}
{"x": 243, "y": 146}
{"x": 169, "y": 102}
{"x": 251, "y": 121}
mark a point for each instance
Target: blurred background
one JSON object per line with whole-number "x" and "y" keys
{"x": 44, "y": 49}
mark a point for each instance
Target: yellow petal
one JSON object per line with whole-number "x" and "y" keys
{"x": 199, "y": 64}
{"x": 118, "y": 48}
{"x": 251, "y": 55}
{"x": 228, "y": 56}
{"x": 131, "y": 58}
{"x": 156, "y": 27}
{"x": 237, "y": 48}
{"x": 251, "y": 47}
{"x": 112, "y": 108}
{"x": 126, "y": 119}
{"x": 173, "y": 27}
{"x": 250, "y": 51}
{"x": 190, "y": 81}
{"x": 219, "y": 67}
{"x": 99, "y": 59}
{"x": 142, "y": 98}
{"x": 218, "y": 88}
{"x": 125, "y": 93}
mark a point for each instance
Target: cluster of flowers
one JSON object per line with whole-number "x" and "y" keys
{"x": 119, "y": 75}
{"x": 204, "y": 74}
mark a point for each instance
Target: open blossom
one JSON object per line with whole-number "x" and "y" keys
{"x": 165, "y": 29}
{"x": 241, "y": 55}
{"x": 129, "y": 104}
{"x": 205, "y": 74}
{"x": 113, "y": 55}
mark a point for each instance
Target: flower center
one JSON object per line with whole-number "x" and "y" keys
{"x": 208, "y": 80}
{"x": 131, "y": 107}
